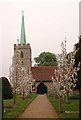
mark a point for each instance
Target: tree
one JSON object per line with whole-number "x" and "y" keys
{"x": 65, "y": 76}
{"x": 46, "y": 59}
{"x": 78, "y": 61}
{"x": 15, "y": 73}
{"x": 25, "y": 84}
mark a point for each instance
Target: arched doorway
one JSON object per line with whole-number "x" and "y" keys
{"x": 41, "y": 88}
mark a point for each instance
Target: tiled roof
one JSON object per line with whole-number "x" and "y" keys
{"x": 44, "y": 73}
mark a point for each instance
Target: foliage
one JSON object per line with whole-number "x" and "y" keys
{"x": 65, "y": 75}
{"x": 21, "y": 105}
{"x": 15, "y": 73}
{"x": 46, "y": 59}
{"x": 77, "y": 61}
{"x": 6, "y": 88}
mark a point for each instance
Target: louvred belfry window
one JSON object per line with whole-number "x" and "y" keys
{"x": 21, "y": 54}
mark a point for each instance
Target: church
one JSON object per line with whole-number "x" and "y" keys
{"x": 42, "y": 75}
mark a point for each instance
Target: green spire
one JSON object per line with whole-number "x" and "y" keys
{"x": 23, "y": 36}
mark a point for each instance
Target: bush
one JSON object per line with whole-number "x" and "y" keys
{"x": 6, "y": 88}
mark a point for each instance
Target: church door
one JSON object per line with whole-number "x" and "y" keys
{"x": 41, "y": 88}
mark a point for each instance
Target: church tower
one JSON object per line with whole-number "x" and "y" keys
{"x": 24, "y": 48}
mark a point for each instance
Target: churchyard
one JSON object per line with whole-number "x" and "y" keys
{"x": 70, "y": 110}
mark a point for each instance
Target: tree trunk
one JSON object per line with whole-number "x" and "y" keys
{"x": 60, "y": 104}
{"x": 68, "y": 100}
{"x": 23, "y": 94}
{"x": 14, "y": 98}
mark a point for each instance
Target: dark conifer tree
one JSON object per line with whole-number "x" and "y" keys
{"x": 77, "y": 61}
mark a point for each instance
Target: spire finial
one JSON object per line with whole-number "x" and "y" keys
{"x": 22, "y": 12}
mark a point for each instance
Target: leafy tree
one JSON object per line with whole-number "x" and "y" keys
{"x": 46, "y": 59}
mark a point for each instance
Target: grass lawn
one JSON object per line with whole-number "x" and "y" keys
{"x": 21, "y": 105}
{"x": 73, "y": 106}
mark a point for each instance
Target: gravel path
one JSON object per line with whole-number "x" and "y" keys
{"x": 40, "y": 108}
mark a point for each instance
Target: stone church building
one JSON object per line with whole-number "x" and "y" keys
{"x": 41, "y": 74}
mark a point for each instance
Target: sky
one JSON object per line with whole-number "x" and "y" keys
{"x": 47, "y": 23}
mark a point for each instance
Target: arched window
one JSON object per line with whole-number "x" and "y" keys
{"x": 21, "y": 54}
